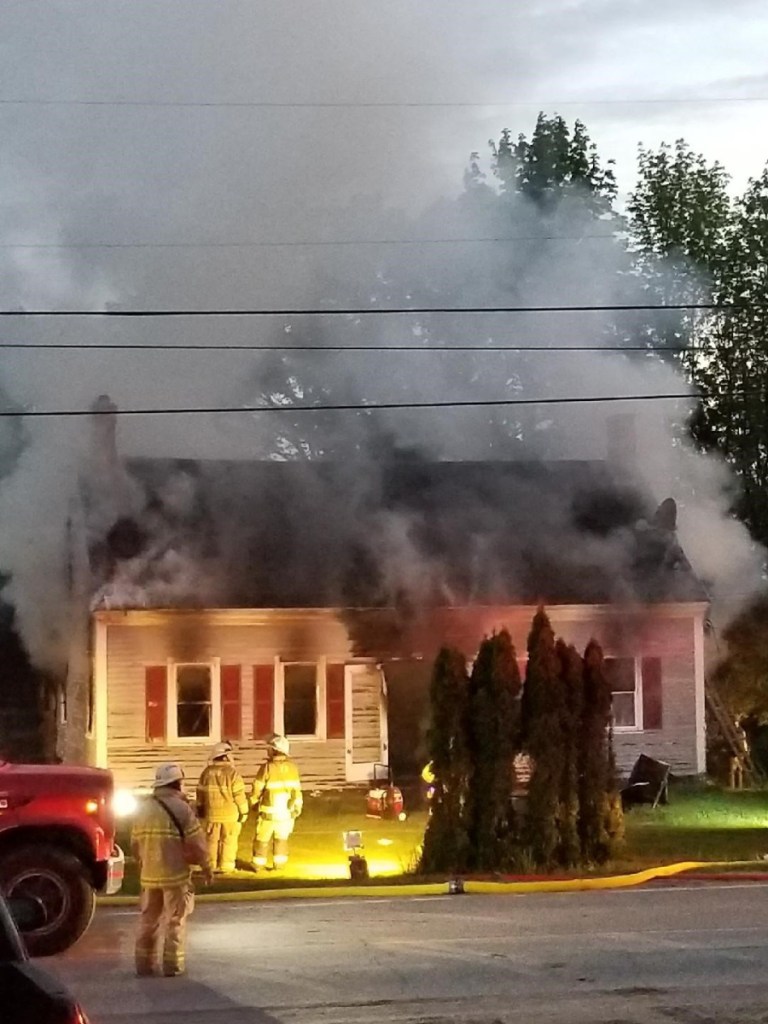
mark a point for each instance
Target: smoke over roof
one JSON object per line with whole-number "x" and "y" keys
{"x": 322, "y": 534}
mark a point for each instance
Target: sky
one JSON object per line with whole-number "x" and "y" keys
{"x": 454, "y": 74}
{"x": 162, "y": 154}
{"x": 188, "y": 130}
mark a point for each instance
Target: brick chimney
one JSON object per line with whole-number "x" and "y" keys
{"x": 104, "y": 432}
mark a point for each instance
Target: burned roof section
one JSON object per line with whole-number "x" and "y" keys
{"x": 409, "y": 532}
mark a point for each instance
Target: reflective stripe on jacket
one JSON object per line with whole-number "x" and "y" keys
{"x": 163, "y": 857}
{"x": 221, "y": 793}
{"x": 277, "y": 789}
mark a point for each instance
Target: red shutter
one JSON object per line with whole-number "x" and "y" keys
{"x": 263, "y": 700}
{"x": 231, "y": 703}
{"x": 334, "y": 702}
{"x": 652, "y": 700}
{"x": 155, "y": 700}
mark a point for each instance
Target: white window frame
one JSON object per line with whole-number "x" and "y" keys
{"x": 173, "y": 739}
{"x": 639, "y": 725}
{"x": 320, "y": 720}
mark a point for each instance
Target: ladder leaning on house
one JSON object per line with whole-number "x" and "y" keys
{"x": 731, "y": 734}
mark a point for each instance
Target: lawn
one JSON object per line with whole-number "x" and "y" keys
{"x": 700, "y": 823}
{"x": 316, "y": 848}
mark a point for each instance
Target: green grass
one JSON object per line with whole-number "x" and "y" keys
{"x": 700, "y": 823}
{"x": 316, "y": 848}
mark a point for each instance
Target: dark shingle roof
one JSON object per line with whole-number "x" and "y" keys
{"x": 320, "y": 534}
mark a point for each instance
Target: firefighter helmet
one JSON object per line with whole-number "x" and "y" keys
{"x": 279, "y": 744}
{"x": 221, "y": 750}
{"x": 168, "y": 773}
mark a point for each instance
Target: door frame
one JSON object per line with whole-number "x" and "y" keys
{"x": 362, "y": 771}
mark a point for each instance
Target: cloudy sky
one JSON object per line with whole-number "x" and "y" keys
{"x": 204, "y": 126}
{"x": 161, "y": 153}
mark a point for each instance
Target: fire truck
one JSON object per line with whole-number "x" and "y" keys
{"x": 57, "y": 847}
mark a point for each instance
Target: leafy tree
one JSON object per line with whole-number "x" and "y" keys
{"x": 694, "y": 244}
{"x": 742, "y": 671}
{"x": 600, "y": 825}
{"x": 731, "y": 366}
{"x": 493, "y": 731}
{"x": 446, "y": 842}
{"x": 544, "y": 711}
{"x": 553, "y": 165}
{"x": 680, "y": 216}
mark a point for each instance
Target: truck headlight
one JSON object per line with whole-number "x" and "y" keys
{"x": 124, "y": 803}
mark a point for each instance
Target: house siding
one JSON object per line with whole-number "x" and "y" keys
{"x": 135, "y": 640}
{"x": 667, "y": 632}
{"x": 131, "y": 648}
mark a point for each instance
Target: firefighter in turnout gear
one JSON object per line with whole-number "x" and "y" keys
{"x": 223, "y": 807}
{"x": 167, "y": 839}
{"x": 277, "y": 797}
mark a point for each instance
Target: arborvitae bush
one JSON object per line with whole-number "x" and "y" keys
{"x": 600, "y": 819}
{"x": 446, "y": 846}
{"x": 493, "y": 730}
{"x": 543, "y": 721}
{"x": 571, "y": 674}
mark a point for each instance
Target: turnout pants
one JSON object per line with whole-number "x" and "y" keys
{"x": 162, "y": 910}
{"x": 222, "y": 837}
{"x": 269, "y": 831}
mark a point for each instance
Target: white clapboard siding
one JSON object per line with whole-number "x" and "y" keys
{"x": 131, "y": 648}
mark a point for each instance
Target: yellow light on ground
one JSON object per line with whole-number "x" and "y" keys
{"x": 124, "y": 803}
{"x": 330, "y": 871}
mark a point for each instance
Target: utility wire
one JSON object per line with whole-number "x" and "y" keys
{"x": 347, "y": 407}
{"x": 209, "y": 347}
{"x": 375, "y": 105}
{"x": 369, "y": 311}
{"x": 300, "y": 243}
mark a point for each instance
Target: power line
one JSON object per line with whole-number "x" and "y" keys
{"x": 377, "y": 105}
{"x": 300, "y": 243}
{"x": 347, "y": 407}
{"x": 209, "y": 347}
{"x": 369, "y": 311}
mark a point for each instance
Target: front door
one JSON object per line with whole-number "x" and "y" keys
{"x": 365, "y": 721}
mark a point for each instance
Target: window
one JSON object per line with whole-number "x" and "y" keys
{"x": 194, "y": 702}
{"x": 300, "y": 700}
{"x": 621, "y": 674}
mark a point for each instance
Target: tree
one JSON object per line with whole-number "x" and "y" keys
{"x": 493, "y": 731}
{"x": 742, "y": 671}
{"x": 571, "y": 674}
{"x": 600, "y": 825}
{"x": 731, "y": 365}
{"x": 544, "y": 712}
{"x": 694, "y": 244}
{"x": 446, "y": 845}
{"x": 554, "y": 165}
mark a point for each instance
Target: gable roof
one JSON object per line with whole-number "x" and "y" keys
{"x": 323, "y": 534}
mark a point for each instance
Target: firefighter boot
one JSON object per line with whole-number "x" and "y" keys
{"x": 280, "y": 855}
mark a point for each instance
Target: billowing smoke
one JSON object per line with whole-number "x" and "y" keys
{"x": 180, "y": 530}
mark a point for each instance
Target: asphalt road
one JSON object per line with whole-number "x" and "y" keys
{"x": 688, "y": 954}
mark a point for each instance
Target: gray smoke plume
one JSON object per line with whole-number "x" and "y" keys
{"x": 236, "y": 175}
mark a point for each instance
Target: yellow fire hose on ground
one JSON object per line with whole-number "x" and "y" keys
{"x": 449, "y": 887}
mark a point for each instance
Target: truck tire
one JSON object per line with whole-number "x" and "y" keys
{"x": 56, "y": 879}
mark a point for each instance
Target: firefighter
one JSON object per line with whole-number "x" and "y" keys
{"x": 277, "y": 797}
{"x": 166, "y": 840}
{"x": 223, "y": 807}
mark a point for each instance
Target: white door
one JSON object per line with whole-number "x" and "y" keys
{"x": 365, "y": 724}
